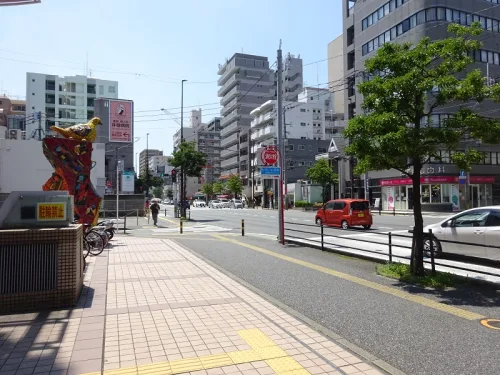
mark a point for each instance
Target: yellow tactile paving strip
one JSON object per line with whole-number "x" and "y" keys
{"x": 262, "y": 349}
{"x": 461, "y": 313}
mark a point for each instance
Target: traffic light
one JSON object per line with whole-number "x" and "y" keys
{"x": 174, "y": 176}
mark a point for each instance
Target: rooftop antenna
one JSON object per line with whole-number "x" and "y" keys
{"x": 87, "y": 64}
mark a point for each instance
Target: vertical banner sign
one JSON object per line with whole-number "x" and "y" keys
{"x": 128, "y": 182}
{"x": 120, "y": 121}
{"x": 455, "y": 193}
{"x": 390, "y": 198}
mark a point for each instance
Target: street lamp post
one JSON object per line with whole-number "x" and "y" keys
{"x": 183, "y": 208}
{"x": 147, "y": 164}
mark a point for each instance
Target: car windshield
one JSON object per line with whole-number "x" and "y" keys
{"x": 215, "y": 201}
{"x": 360, "y": 206}
{"x": 237, "y": 201}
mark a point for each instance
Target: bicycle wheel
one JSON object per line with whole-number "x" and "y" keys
{"x": 95, "y": 241}
{"x": 86, "y": 248}
{"x": 104, "y": 236}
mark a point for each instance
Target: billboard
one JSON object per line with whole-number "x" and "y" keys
{"x": 128, "y": 182}
{"x": 120, "y": 121}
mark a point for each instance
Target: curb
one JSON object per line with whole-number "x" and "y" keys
{"x": 361, "y": 353}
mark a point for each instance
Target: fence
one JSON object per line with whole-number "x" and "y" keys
{"x": 387, "y": 249}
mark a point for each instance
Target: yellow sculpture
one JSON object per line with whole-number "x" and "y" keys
{"x": 81, "y": 132}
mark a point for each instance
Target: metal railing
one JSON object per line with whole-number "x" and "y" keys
{"x": 320, "y": 240}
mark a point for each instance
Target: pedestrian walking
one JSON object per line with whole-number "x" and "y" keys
{"x": 146, "y": 208}
{"x": 155, "y": 210}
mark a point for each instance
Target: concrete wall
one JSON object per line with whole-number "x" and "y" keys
{"x": 24, "y": 167}
{"x": 336, "y": 72}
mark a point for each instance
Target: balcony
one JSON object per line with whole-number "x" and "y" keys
{"x": 229, "y": 141}
{"x": 233, "y": 93}
{"x": 229, "y": 152}
{"x": 229, "y": 106}
{"x": 231, "y": 82}
{"x": 228, "y": 130}
{"x": 339, "y": 124}
{"x": 262, "y": 120}
{"x": 229, "y": 163}
{"x": 265, "y": 133}
{"x": 226, "y": 71}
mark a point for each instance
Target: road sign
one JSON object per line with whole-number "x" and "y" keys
{"x": 269, "y": 156}
{"x": 108, "y": 184}
{"x": 270, "y": 172}
{"x": 462, "y": 173}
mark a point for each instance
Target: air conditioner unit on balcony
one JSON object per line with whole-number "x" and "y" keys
{"x": 14, "y": 134}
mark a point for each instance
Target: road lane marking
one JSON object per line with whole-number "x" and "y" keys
{"x": 262, "y": 349}
{"x": 488, "y": 323}
{"x": 461, "y": 313}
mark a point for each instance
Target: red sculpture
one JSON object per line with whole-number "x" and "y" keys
{"x": 72, "y": 162}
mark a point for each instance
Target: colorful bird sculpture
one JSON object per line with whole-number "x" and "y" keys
{"x": 81, "y": 132}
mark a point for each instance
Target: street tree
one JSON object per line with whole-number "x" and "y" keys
{"x": 208, "y": 189}
{"x": 140, "y": 183}
{"x": 219, "y": 187}
{"x": 158, "y": 192}
{"x": 406, "y": 85}
{"x": 321, "y": 173}
{"x": 170, "y": 194}
{"x": 189, "y": 159}
{"x": 235, "y": 185}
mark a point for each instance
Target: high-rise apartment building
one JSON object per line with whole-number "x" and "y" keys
{"x": 144, "y": 157}
{"x": 367, "y": 25}
{"x": 247, "y": 81}
{"x": 63, "y": 100}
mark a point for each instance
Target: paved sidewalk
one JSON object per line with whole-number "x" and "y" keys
{"x": 152, "y": 307}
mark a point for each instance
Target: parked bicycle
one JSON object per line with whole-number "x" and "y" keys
{"x": 95, "y": 239}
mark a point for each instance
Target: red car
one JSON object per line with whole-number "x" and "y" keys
{"x": 345, "y": 213}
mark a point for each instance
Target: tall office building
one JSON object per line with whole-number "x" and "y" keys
{"x": 367, "y": 25}
{"x": 144, "y": 157}
{"x": 63, "y": 101}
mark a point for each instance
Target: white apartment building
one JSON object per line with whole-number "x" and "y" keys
{"x": 63, "y": 100}
{"x": 159, "y": 161}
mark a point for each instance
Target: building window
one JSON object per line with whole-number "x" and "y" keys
{"x": 302, "y": 124}
{"x": 302, "y": 147}
{"x": 310, "y": 148}
{"x": 302, "y": 110}
{"x": 290, "y": 147}
{"x": 101, "y": 90}
{"x": 111, "y": 89}
{"x": 321, "y": 150}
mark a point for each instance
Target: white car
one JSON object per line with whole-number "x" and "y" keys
{"x": 215, "y": 204}
{"x": 480, "y": 226}
{"x": 236, "y": 203}
{"x": 225, "y": 203}
{"x": 199, "y": 203}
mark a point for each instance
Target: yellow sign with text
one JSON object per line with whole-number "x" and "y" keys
{"x": 51, "y": 211}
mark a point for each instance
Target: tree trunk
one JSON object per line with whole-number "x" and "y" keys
{"x": 417, "y": 252}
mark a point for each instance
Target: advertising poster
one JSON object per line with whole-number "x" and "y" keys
{"x": 128, "y": 180}
{"x": 454, "y": 190}
{"x": 390, "y": 198}
{"x": 120, "y": 121}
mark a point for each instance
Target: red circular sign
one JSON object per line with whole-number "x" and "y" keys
{"x": 269, "y": 156}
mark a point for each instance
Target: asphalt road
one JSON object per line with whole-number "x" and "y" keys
{"x": 266, "y": 221}
{"x": 408, "y": 334}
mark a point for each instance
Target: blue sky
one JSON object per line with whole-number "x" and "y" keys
{"x": 149, "y": 46}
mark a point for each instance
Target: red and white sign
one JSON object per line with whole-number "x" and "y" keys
{"x": 269, "y": 156}
{"x": 120, "y": 121}
{"x": 108, "y": 184}
{"x": 437, "y": 180}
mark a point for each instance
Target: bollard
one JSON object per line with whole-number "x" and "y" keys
{"x": 394, "y": 210}
{"x": 322, "y": 242}
{"x": 180, "y": 226}
{"x": 390, "y": 247}
{"x": 125, "y": 224}
{"x": 431, "y": 246}
{"x": 242, "y": 227}
{"x": 165, "y": 212}
{"x": 379, "y": 210}
{"x": 137, "y": 217}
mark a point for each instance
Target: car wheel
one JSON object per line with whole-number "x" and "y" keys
{"x": 319, "y": 222}
{"x": 345, "y": 224}
{"x": 436, "y": 245}
{"x": 367, "y": 226}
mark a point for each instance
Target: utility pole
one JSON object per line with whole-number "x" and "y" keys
{"x": 183, "y": 208}
{"x": 147, "y": 164}
{"x": 280, "y": 144}
{"x": 118, "y": 166}
{"x": 40, "y": 125}
{"x": 283, "y": 155}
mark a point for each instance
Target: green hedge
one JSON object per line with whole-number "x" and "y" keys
{"x": 300, "y": 204}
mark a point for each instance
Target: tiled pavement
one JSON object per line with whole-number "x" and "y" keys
{"x": 152, "y": 307}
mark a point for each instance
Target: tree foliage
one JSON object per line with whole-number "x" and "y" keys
{"x": 208, "y": 189}
{"x": 140, "y": 183}
{"x": 235, "y": 184}
{"x": 321, "y": 173}
{"x": 406, "y": 85}
{"x": 170, "y": 194}
{"x": 189, "y": 159}
{"x": 158, "y": 192}
{"x": 220, "y": 187}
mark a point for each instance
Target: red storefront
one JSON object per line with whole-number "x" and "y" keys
{"x": 397, "y": 193}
